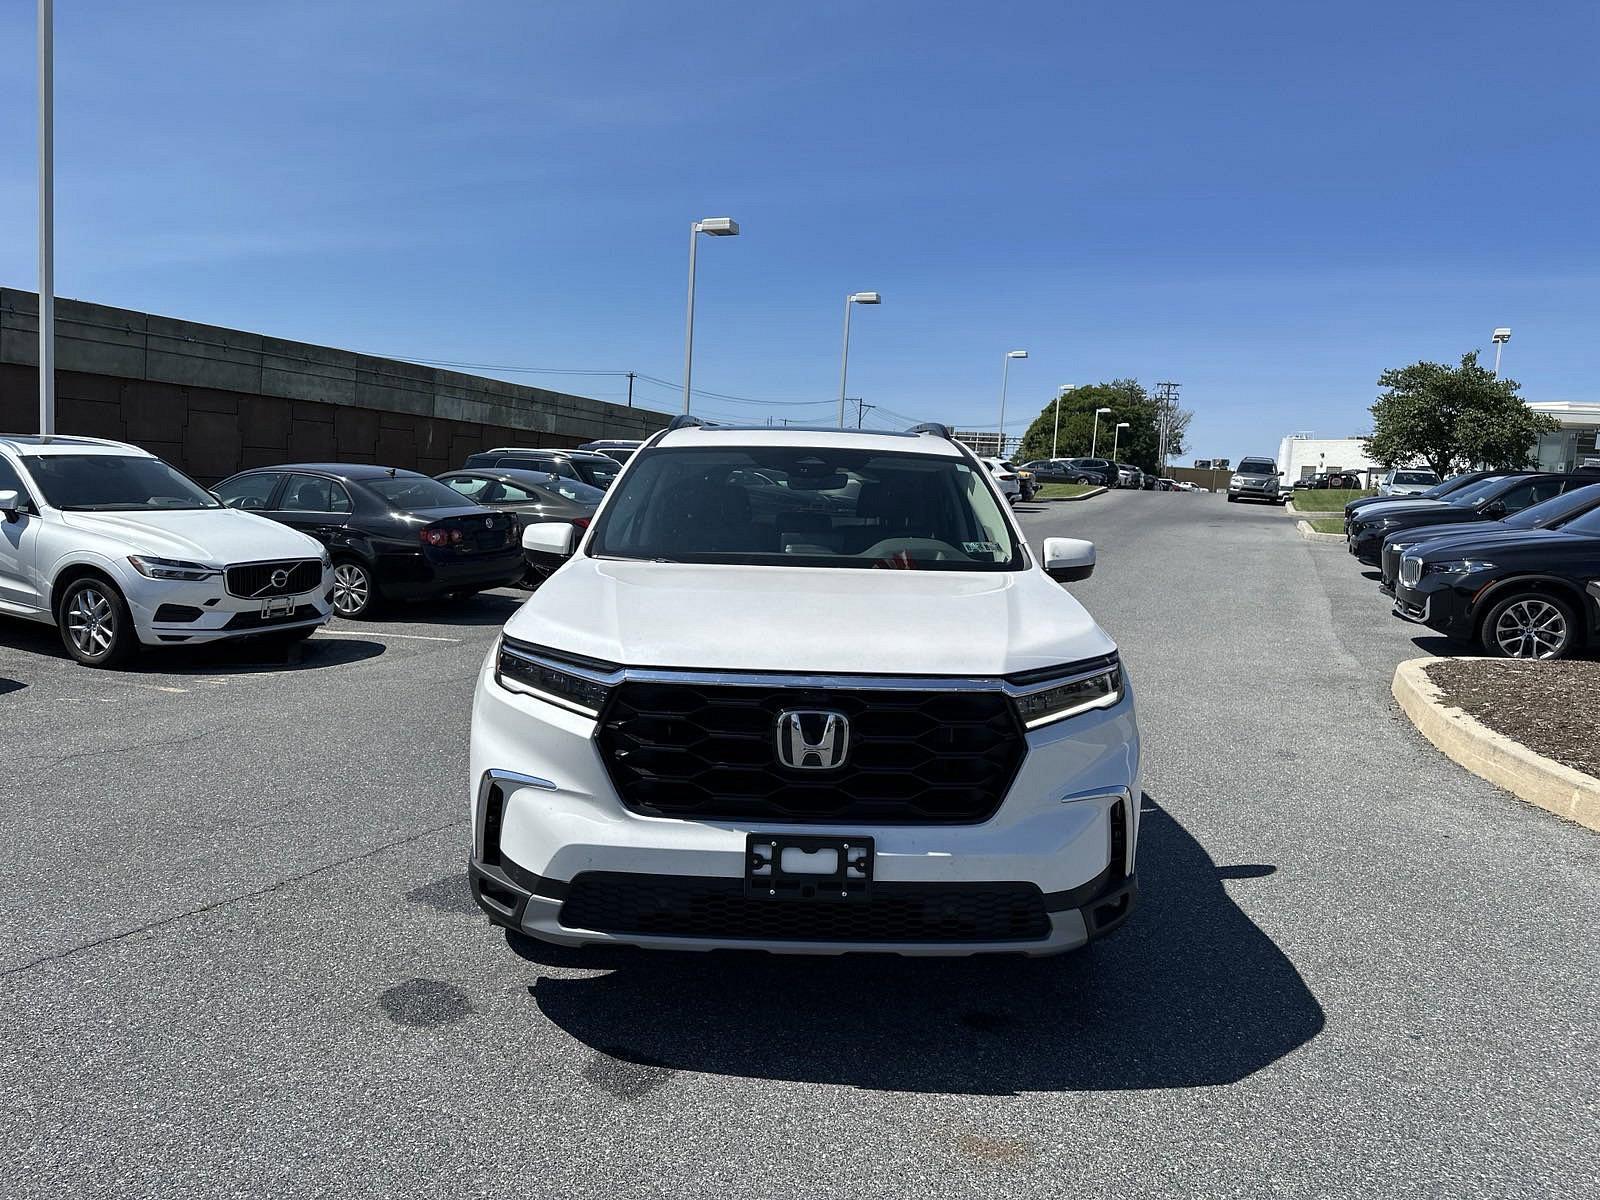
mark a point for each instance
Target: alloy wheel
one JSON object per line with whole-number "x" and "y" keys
{"x": 352, "y": 589}
{"x": 92, "y": 622}
{"x": 1531, "y": 629}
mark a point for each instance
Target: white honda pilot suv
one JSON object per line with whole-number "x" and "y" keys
{"x": 806, "y": 692}
{"x": 119, "y": 549}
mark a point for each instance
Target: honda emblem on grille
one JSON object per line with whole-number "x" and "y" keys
{"x": 280, "y": 578}
{"x": 813, "y": 739}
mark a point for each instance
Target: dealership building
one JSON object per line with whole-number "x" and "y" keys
{"x": 1301, "y": 455}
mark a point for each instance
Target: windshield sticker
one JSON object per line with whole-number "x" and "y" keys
{"x": 981, "y": 547}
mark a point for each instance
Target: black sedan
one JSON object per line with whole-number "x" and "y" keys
{"x": 1438, "y": 491}
{"x": 1549, "y": 514}
{"x": 393, "y": 534}
{"x": 529, "y": 496}
{"x": 1487, "y": 500}
{"x": 1519, "y": 596}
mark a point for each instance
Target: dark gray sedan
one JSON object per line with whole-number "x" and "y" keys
{"x": 530, "y": 496}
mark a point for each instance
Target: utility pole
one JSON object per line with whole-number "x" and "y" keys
{"x": 1166, "y": 410}
{"x": 47, "y": 220}
{"x": 630, "y": 389}
{"x": 861, "y": 408}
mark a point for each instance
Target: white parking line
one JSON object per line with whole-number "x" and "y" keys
{"x": 412, "y": 637}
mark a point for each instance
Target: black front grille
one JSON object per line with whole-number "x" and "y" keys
{"x": 719, "y": 909}
{"x": 254, "y": 581}
{"x": 709, "y": 752}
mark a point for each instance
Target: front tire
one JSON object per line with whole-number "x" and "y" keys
{"x": 1530, "y": 625}
{"x": 355, "y": 593}
{"x": 96, "y": 626}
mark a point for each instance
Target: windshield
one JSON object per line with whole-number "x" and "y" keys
{"x": 407, "y": 491}
{"x": 598, "y": 471}
{"x": 807, "y": 506}
{"x": 1415, "y": 477}
{"x": 1475, "y": 493}
{"x": 1554, "y": 510}
{"x": 1588, "y": 523}
{"x": 560, "y": 485}
{"x": 1256, "y": 466}
{"x": 115, "y": 483}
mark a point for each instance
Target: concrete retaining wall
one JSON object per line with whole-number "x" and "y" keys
{"x": 214, "y": 400}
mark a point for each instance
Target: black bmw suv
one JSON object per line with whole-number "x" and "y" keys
{"x": 1487, "y": 500}
{"x": 1518, "y": 595}
{"x": 1437, "y": 492}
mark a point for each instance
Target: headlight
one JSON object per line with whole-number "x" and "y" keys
{"x": 580, "y": 685}
{"x": 327, "y": 559}
{"x": 1055, "y": 702}
{"x": 171, "y": 568}
{"x": 1457, "y": 566}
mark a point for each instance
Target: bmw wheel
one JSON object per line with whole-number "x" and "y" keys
{"x": 1529, "y": 626}
{"x": 96, "y": 627}
{"x": 354, "y": 593}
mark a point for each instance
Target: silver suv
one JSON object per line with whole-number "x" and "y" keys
{"x": 1257, "y": 479}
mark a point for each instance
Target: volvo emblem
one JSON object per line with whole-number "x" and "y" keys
{"x": 280, "y": 578}
{"x": 488, "y": 522}
{"x": 811, "y": 739}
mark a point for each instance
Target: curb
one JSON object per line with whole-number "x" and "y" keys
{"x": 1071, "y": 499}
{"x": 1527, "y": 775}
{"x": 1311, "y": 535}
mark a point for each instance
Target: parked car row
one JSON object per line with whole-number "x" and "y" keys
{"x": 119, "y": 549}
{"x": 1503, "y": 560}
{"x": 1101, "y": 472}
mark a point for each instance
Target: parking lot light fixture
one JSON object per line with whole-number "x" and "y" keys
{"x": 712, "y": 227}
{"x": 1094, "y": 437}
{"x": 1500, "y": 337}
{"x": 1055, "y": 435}
{"x": 1116, "y": 436}
{"x": 1005, "y": 376}
{"x": 844, "y": 361}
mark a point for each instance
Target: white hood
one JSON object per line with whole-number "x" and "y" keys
{"x": 214, "y": 536}
{"x": 809, "y": 619}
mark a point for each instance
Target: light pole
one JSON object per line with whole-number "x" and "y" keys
{"x": 714, "y": 227}
{"x": 1005, "y": 376}
{"x": 1116, "y": 436}
{"x": 844, "y": 361}
{"x": 47, "y": 220}
{"x": 1500, "y": 337}
{"x": 1055, "y": 435}
{"x": 1094, "y": 438}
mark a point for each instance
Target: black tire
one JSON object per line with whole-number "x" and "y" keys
{"x": 96, "y": 626}
{"x": 355, "y": 591}
{"x": 1529, "y": 625}
{"x": 1232, "y": 498}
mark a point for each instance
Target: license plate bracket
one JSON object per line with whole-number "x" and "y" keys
{"x": 277, "y": 606}
{"x": 798, "y": 867}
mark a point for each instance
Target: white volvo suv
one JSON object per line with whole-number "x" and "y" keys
{"x": 805, "y": 692}
{"x": 119, "y": 549}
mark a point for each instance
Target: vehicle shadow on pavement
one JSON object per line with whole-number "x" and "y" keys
{"x": 1190, "y": 993}
{"x": 216, "y": 658}
{"x": 485, "y": 608}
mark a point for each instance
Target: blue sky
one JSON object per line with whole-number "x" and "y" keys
{"x": 1266, "y": 203}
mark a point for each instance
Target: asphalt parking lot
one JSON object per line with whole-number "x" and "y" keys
{"x": 241, "y": 958}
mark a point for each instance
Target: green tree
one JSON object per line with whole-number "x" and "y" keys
{"x": 1452, "y": 418}
{"x": 1128, "y": 401}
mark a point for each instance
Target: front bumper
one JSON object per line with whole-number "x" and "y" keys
{"x": 1366, "y": 545}
{"x": 1440, "y": 607}
{"x": 545, "y": 817}
{"x": 176, "y": 612}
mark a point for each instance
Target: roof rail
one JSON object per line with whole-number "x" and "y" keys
{"x": 685, "y": 421}
{"x": 934, "y": 428}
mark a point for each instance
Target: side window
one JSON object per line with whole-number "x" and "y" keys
{"x": 510, "y": 493}
{"x": 11, "y": 480}
{"x": 469, "y": 487}
{"x": 1535, "y": 490}
{"x": 249, "y": 491}
{"x": 312, "y": 493}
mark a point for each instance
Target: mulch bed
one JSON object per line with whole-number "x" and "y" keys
{"x": 1552, "y": 708}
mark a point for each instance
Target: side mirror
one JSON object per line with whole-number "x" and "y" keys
{"x": 10, "y": 503}
{"x": 550, "y": 537}
{"x": 1495, "y": 509}
{"x": 1067, "y": 560}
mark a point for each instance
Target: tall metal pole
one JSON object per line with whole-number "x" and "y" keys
{"x": 47, "y": 220}
{"x": 1005, "y": 377}
{"x": 1116, "y": 436}
{"x": 1055, "y": 435}
{"x": 1498, "y": 346}
{"x": 844, "y": 359}
{"x": 688, "y": 335}
{"x": 1094, "y": 438}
